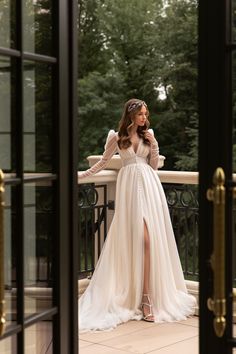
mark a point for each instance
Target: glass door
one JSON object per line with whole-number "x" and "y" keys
{"x": 38, "y": 274}
{"x": 217, "y": 49}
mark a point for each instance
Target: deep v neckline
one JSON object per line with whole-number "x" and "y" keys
{"x": 132, "y": 146}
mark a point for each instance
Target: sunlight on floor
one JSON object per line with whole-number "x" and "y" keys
{"x": 142, "y": 337}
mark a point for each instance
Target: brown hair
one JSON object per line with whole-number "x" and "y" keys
{"x": 131, "y": 108}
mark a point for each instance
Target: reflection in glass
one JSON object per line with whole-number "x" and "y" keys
{"x": 7, "y": 23}
{"x": 38, "y": 219}
{"x": 10, "y": 233}
{"x": 37, "y": 16}
{"x": 38, "y": 140}
{"x": 8, "y": 345}
{"x": 7, "y": 114}
{"x": 38, "y": 338}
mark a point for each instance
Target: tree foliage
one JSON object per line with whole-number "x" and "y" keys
{"x": 178, "y": 122}
{"x": 132, "y": 49}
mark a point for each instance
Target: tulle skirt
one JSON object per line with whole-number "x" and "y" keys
{"x": 115, "y": 291}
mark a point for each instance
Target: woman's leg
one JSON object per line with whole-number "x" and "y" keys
{"x": 146, "y": 300}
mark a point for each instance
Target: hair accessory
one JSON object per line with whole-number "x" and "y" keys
{"x": 135, "y": 105}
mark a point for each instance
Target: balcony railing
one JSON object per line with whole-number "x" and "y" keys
{"x": 94, "y": 206}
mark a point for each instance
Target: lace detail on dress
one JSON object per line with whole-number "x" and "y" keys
{"x": 110, "y": 149}
{"x": 154, "y": 153}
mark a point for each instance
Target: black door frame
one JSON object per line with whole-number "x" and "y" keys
{"x": 64, "y": 60}
{"x": 67, "y": 271}
{"x": 215, "y": 150}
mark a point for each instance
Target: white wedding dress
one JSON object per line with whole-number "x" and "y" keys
{"x": 115, "y": 290}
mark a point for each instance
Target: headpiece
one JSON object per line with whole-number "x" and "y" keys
{"x": 135, "y": 105}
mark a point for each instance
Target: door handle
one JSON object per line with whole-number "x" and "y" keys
{"x": 217, "y": 303}
{"x": 2, "y": 301}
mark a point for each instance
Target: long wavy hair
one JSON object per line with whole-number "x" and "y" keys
{"x": 131, "y": 108}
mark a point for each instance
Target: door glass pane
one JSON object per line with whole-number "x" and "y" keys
{"x": 8, "y": 23}
{"x": 7, "y": 114}
{"x": 38, "y": 141}
{"x": 8, "y": 345}
{"x": 10, "y": 233}
{"x": 38, "y": 252}
{"x": 38, "y": 338}
{"x": 37, "y": 17}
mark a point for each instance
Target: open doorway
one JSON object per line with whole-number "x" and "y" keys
{"x": 148, "y": 50}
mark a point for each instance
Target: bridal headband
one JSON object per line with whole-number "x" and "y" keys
{"x": 135, "y": 105}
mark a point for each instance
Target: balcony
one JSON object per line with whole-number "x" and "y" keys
{"x": 96, "y": 208}
{"x": 142, "y": 337}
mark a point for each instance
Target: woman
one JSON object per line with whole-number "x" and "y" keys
{"x": 138, "y": 275}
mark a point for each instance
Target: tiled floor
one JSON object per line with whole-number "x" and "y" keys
{"x": 142, "y": 337}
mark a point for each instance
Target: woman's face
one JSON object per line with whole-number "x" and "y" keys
{"x": 140, "y": 117}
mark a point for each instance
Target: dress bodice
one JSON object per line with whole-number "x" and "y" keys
{"x": 147, "y": 154}
{"x": 129, "y": 156}
{"x": 143, "y": 150}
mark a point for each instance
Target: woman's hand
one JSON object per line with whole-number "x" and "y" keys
{"x": 150, "y": 137}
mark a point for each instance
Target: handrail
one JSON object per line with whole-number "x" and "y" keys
{"x": 178, "y": 177}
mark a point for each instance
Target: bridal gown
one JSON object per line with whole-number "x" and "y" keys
{"x": 115, "y": 291}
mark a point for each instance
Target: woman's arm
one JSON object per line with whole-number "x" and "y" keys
{"x": 154, "y": 149}
{"x": 110, "y": 150}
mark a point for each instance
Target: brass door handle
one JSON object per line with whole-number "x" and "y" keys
{"x": 2, "y": 301}
{"x": 217, "y": 304}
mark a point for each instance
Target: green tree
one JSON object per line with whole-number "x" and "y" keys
{"x": 145, "y": 45}
{"x": 100, "y": 98}
{"x": 92, "y": 54}
{"x": 178, "y": 122}
{"x": 131, "y": 37}
{"x": 119, "y": 31}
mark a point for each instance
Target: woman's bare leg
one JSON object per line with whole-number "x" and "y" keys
{"x": 147, "y": 310}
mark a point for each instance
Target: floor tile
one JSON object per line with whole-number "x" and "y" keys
{"x": 100, "y": 349}
{"x": 125, "y": 328}
{"x": 185, "y": 347}
{"x": 83, "y": 344}
{"x": 152, "y": 338}
{"x": 192, "y": 321}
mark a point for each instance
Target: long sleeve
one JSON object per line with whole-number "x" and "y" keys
{"x": 110, "y": 149}
{"x": 154, "y": 153}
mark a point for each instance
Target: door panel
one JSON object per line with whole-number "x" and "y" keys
{"x": 8, "y": 24}
{"x": 39, "y": 338}
{"x": 39, "y": 218}
{"x": 38, "y": 117}
{"x": 9, "y": 256}
{"x": 37, "y": 29}
{"x": 216, "y": 141}
{"x": 233, "y": 17}
{"x": 7, "y": 114}
{"x": 37, "y": 156}
{"x": 8, "y": 345}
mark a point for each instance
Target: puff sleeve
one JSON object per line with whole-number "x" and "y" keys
{"x": 154, "y": 153}
{"x": 110, "y": 149}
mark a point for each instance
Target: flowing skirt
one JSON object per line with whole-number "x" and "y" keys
{"x": 115, "y": 290}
